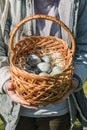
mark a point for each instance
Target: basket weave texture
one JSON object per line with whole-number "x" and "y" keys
{"x": 35, "y": 89}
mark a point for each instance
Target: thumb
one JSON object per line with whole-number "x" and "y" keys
{"x": 9, "y": 87}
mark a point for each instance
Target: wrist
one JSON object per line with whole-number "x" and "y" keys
{"x": 78, "y": 82}
{"x": 5, "y": 85}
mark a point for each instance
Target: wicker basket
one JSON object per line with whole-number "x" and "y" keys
{"x": 35, "y": 89}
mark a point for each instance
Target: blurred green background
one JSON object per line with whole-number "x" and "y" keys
{"x": 77, "y": 125}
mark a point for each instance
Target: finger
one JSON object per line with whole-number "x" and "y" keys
{"x": 17, "y": 99}
{"x": 75, "y": 83}
{"x": 22, "y": 102}
{"x": 10, "y": 88}
{"x": 30, "y": 106}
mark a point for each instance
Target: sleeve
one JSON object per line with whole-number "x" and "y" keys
{"x": 80, "y": 61}
{"x": 4, "y": 59}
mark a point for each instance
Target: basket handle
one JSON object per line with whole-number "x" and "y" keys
{"x": 41, "y": 16}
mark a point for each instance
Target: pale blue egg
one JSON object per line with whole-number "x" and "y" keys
{"x": 43, "y": 74}
{"x": 56, "y": 70}
{"x": 44, "y": 67}
{"x": 46, "y": 58}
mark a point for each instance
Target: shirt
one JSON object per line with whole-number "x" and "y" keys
{"x": 46, "y": 27}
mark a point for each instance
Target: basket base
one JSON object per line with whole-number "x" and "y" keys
{"x": 44, "y": 103}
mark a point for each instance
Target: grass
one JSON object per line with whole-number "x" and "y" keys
{"x": 85, "y": 88}
{"x": 77, "y": 125}
{"x": 1, "y": 125}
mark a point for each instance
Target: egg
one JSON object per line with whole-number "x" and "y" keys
{"x": 33, "y": 60}
{"x": 56, "y": 70}
{"x": 36, "y": 70}
{"x": 31, "y": 71}
{"x": 43, "y": 74}
{"x": 46, "y": 58}
{"x": 44, "y": 67}
{"x": 27, "y": 67}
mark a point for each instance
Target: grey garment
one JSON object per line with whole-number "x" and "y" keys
{"x": 84, "y": 128}
{"x": 47, "y": 111}
{"x": 9, "y": 110}
{"x": 81, "y": 101}
{"x": 9, "y": 127}
{"x": 46, "y": 27}
{"x": 6, "y": 125}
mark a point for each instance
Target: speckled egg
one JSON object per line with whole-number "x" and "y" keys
{"x": 36, "y": 70}
{"x": 33, "y": 60}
